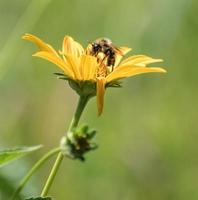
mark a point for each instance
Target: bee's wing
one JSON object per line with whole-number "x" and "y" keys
{"x": 118, "y": 50}
{"x": 123, "y": 50}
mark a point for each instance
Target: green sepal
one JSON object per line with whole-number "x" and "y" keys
{"x": 8, "y": 155}
{"x": 78, "y": 142}
{"x": 40, "y": 198}
{"x": 114, "y": 84}
{"x": 85, "y": 131}
{"x": 59, "y": 74}
{"x": 83, "y": 88}
{"x": 62, "y": 76}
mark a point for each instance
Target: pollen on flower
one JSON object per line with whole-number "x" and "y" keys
{"x": 102, "y": 70}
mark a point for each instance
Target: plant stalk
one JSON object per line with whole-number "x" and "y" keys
{"x": 80, "y": 107}
{"x": 37, "y": 165}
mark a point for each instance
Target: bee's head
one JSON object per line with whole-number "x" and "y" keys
{"x": 96, "y": 46}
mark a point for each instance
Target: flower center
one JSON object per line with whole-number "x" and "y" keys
{"x": 103, "y": 68}
{"x": 106, "y": 58}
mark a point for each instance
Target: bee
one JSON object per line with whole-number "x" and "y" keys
{"x": 105, "y": 46}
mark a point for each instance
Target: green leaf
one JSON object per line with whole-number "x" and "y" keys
{"x": 8, "y": 155}
{"x": 40, "y": 198}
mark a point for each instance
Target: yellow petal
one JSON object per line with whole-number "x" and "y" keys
{"x": 88, "y": 50}
{"x": 88, "y": 67}
{"x": 70, "y": 46}
{"x": 56, "y": 60}
{"x": 139, "y": 60}
{"x": 100, "y": 94}
{"x": 74, "y": 63}
{"x": 41, "y": 45}
{"x": 127, "y": 71}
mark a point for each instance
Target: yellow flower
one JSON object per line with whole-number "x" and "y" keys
{"x": 80, "y": 66}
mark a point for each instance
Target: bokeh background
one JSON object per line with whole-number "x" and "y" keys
{"x": 148, "y": 132}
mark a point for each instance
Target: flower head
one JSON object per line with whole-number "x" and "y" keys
{"x": 88, "y": 71}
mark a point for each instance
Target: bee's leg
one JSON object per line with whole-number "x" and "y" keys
{"x": 113, "y": 63}
{"x": 105, "y": 57}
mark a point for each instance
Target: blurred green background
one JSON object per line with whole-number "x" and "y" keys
{"x": 148, "y": 131}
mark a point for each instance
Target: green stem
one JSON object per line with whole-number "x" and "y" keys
{"x": 52, "y": 175}
{"x": 37, "y": 165}
{"x": 80, "y": 107}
